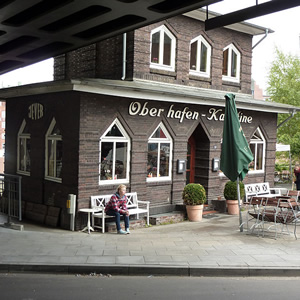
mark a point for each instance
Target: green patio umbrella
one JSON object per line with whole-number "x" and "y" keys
{"x": 235, "y": 154}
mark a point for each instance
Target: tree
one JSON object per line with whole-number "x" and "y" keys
{"x": 284, "y": 87}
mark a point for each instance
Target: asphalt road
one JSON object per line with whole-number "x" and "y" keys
{"x": 96, "y": 286}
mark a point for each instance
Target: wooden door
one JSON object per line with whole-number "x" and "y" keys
{"x": 190, "y": 166}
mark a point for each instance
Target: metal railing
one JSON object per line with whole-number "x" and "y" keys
{"x": 10, "y": 196}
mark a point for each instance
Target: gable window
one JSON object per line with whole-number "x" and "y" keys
{"x": 159, "y": 155}
{"x": 23, "y": 159}
{"x": 54, "y": 144}
{"x": 200, "y": 56}
{"x": 114, "y": 155}
{"x": 231, "y": 64}
{"x": 257, "y": 146}
{"x": 162, "y": 49}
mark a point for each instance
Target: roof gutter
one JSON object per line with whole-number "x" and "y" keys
{"x": 287, "y": 119}
{"x": 266, "y": 34}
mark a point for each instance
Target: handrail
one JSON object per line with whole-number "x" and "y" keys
{"x": 10, "y": 196}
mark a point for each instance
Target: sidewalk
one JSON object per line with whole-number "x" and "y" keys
{"x": 213, "y": 247}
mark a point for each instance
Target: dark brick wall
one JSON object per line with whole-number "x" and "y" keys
{"x": 80, "y": 63}
{"x": 207, "y": 134}
{"x": 83, "y": 118}
{"x": 65, "y": 108}
{"x": 185, "y": 29}
{"x": 107, "y": 57}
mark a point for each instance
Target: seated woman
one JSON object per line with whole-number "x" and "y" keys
{"x": 117, "y": 206}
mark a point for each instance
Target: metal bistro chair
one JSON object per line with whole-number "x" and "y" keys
{"x": 270, "y": 214}
{"x": 289, "y": 214}
{"x": 255, "y": 213}
{"x": 294, "y": 194}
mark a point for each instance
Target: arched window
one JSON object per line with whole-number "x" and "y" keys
{"x": 114, "y": 155}
{"x": 163, "y": 45}
{"x": 54, "y": 148}
{"x": 231, "y": 64}
{"x": 23, "y": 159}
{"x": 159, "y": 164}
{"x": 257, "y": 146}
{"x": 200, "y": 57}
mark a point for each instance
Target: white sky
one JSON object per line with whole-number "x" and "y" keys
{"x": 286, "y": 25}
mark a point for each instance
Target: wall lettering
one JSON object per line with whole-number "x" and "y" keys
{"x": 214, "y": 114}
{"x": 35, "y": 111}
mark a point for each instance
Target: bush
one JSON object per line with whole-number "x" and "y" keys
{"x": 194, "y": 194}
{"x": 230, "y": 190}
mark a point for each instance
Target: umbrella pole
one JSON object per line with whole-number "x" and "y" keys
{"x": 239, "y": 203}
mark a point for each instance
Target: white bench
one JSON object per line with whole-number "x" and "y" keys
{"x": 98, "y": 203}
{"x": 262, "y": 189}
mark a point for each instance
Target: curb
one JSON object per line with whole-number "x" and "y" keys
{"x": 152, "y": 270}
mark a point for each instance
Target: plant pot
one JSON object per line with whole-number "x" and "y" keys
{"x": 233, "y": 207}
{"x": 194, "y": 212}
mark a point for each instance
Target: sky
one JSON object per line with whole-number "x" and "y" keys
{"x": 286, "y": 37}
{"x": 286, "y": 27}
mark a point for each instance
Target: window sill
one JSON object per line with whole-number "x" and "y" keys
{"x": 159, "y": 182}
{"x": 231, "y": 83}
{"x": 162, "y": 72}
{"x": 199, "y": 78}
{"x": 23, "y": 173}
{"x": 113, "y": 182}
{"x": 57, "y": 180}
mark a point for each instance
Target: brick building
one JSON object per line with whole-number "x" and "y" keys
{"x": 127, "y": 109}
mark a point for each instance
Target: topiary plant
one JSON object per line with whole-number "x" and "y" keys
{"x": 194, "y": 194}
{"x": 230, "y": 190}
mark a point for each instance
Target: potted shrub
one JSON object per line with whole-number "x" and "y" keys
{"x": 194, "y": 196}
{"x": 230, "y": 194}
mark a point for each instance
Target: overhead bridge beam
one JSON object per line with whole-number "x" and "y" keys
{"x": 249, "y": 13}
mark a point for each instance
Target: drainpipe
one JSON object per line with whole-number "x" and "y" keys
{"x": 124, "y": 56}
{"x": 266, "y": 34}
{"x": 284, "y": 121}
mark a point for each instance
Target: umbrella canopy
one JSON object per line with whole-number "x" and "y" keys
{"x": 236, "y": 154}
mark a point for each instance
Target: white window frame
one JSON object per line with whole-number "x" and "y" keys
{"x": 256, "y": 142}
{"x": 168, "y": 139}
{"x": 159, "y": 65}
{"x": 52, "y": 138}
{"x": 26, "y": 137}
{"x": 228, "y": 77}
{"x": 125, "y": 139}
{"x": 201, "y": 40}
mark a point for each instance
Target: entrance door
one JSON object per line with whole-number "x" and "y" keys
{"x": 190, "y": 166}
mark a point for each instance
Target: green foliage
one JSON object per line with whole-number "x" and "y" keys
{"x": 230, "y": 190}
{"x": 194, "y": 194}
{"x": 284, "y": 87}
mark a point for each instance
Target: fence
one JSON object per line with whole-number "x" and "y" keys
{"x": 10, "y": 196}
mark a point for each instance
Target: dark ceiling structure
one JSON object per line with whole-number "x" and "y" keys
{"x": 34, "y": 30}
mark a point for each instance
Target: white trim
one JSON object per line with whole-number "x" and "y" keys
{"x": 231, "y": 48}
{"x": 160, "y": 141}
{"x": 256, "y": 142}
{"x": 125, "y": 139}
{"x": 245, "y": 27}
{"x": 148, "y": 90}
{"x": 50, "y": 137}
{"x": 201, "y": 40}
{"x": 25, "y": 136}
{"x": 163, "y": 29}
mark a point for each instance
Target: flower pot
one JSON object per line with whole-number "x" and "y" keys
{"x": 194, "y": 212}
{"x": 233, "y": 207}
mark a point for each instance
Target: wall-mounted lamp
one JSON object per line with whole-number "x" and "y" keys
{"x": 181, "y": 166}
{"x": 215, "y": 164}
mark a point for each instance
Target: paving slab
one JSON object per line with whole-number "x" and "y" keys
{"x": 212, "y": 247}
